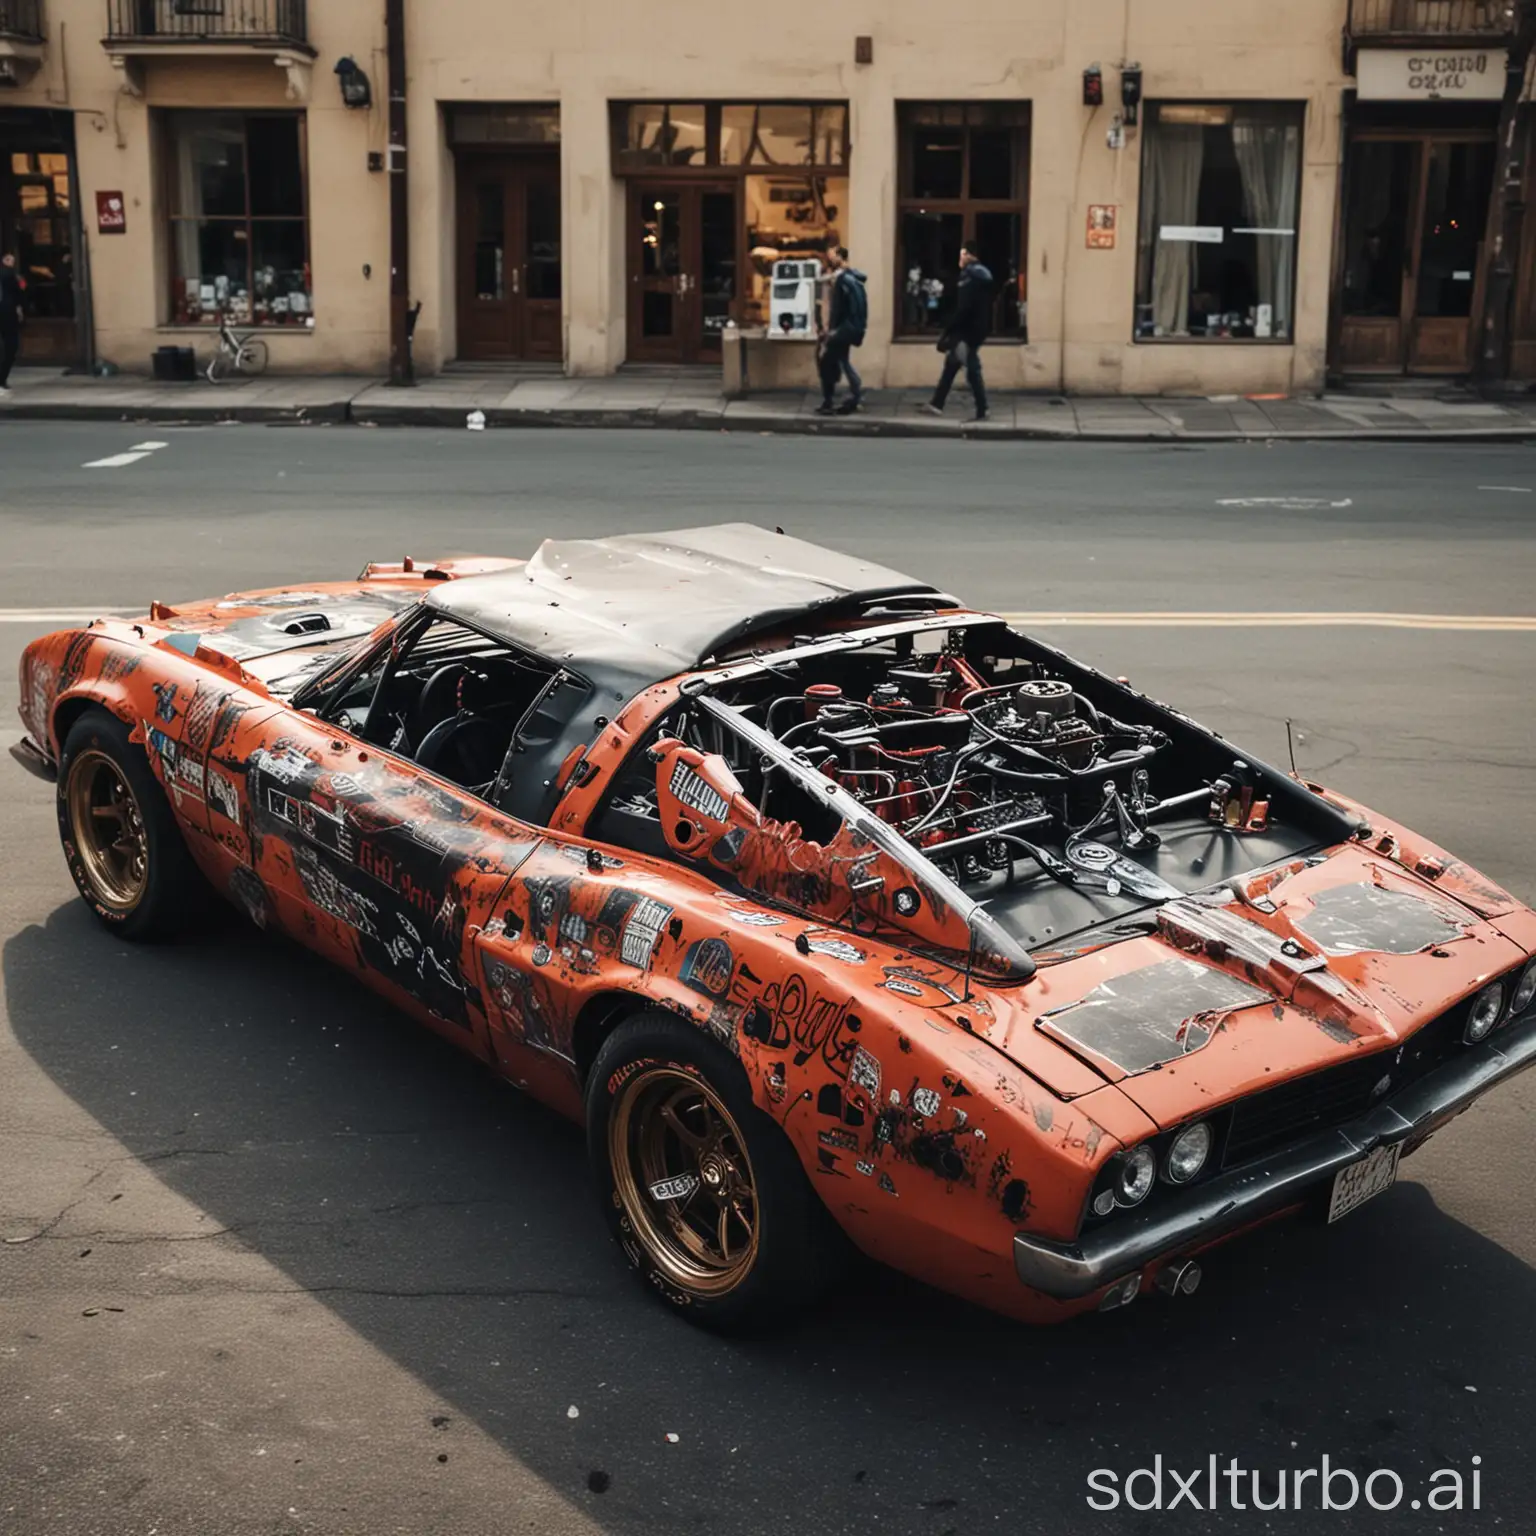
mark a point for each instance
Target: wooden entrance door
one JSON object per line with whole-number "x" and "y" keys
{"x": 683, "y": 265}
{"x": 509, "y": 258}
{"x": 1415, "y": 208}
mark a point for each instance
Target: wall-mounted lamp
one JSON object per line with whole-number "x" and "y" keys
{"x": 1130, "y": 92}
{"x": 355, "y": 90}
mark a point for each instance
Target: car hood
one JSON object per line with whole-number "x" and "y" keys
{"x": 1236, "y": 990}
{"x": 283, "y": 635}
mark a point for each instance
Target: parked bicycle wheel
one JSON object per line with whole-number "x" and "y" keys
{"x": 252, "y": 358}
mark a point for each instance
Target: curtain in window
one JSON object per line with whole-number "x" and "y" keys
{"x": 1269, "y": 161}
{"x": 1177, "y": 154}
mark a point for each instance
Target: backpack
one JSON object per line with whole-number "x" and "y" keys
{"x": 856, "y": 305}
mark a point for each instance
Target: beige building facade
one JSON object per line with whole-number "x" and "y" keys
{"x": 593, "y": 185}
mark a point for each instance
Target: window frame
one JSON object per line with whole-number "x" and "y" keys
{"x": 966, "y": 206}
{"x": 172, "y": 121}
{"x": 1152, "y": 109}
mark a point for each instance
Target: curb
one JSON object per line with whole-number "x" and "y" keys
{"x": 726, "y": 418}
{"x": 660, "y": 418}
{"x": 331, "y": 413}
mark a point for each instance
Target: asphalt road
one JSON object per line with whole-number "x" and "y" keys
{"x": 275, "y": 1260}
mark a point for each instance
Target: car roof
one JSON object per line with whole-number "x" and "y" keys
{"x": 628, "y": 611}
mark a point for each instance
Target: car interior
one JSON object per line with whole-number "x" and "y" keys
{"x": 447, "y": 698}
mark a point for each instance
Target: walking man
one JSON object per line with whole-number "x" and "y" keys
{"x": 847, "y": 317}
{"x": 968, "y": 327}
{"x": 10, "y": 318}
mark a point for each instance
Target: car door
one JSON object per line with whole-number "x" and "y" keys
{"x": 379, "y": 866}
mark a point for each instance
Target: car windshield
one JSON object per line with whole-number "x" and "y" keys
{"x": 366, "y": 657}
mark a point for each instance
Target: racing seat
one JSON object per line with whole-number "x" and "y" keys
{"x": 467, "y": 749}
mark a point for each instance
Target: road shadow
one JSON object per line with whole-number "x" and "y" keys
{"x": 368, "y": 1162}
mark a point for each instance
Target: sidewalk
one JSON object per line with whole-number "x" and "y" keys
{"x": 689, "y": 400}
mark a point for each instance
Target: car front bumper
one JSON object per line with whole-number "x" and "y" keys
{"x": 1221, "y": 1206}
{"x": 35, "y": 760}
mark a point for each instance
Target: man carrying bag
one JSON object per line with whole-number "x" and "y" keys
{"x": 968, "y": 328}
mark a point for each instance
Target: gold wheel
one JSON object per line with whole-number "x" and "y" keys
{"x": 684, "y": 1179}
{"x": 108, "y": 831}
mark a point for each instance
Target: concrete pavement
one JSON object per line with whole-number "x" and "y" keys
{"x": 275, "y": 1260}
{"x": 691, "y": 398}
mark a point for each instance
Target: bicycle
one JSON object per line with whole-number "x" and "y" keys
{"x": 245, "y": 355}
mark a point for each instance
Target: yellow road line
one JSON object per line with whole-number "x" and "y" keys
{"x": 1170, "y": 620}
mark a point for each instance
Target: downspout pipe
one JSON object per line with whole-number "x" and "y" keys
{"x": 402, "y": 370}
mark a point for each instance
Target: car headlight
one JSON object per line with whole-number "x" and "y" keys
{"x": 1137, "y": 1174}
{"x": 1486, "y": 1008}
{"x": 1525, "y": 989}
{"x": 1186, "y": 1157}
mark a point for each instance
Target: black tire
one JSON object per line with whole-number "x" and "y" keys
{"x": 163, "y": 892}
{"x": 796, "y": 1246}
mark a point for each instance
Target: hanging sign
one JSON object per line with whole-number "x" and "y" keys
{"x": 1430, "y": 74}
{"x": 111, "y": 214}
{"x": 1102, "y": 219}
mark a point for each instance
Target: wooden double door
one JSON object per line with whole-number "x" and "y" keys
{"x": 509, "y": 279}
{"x": 683, "y": 269}
{"x": 1415, "y": 209}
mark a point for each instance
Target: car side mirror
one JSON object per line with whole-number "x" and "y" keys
{"x": 700, "y": 802}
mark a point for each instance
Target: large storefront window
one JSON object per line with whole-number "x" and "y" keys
{"x": 239, "y": 219}
{"x": 964, "y": 176}
{"x": 717, "y": 192}
{"x": 1220, "y": 189}
{"x": 788, "y": 216}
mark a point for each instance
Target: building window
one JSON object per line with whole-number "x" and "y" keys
{"x": 518, "y": 125}
{"x": 239, "y": 219}
{"x": 1216, "y": 257}
{"x": 964, "y": 176}
{"x": 35, "y": 226}
{"x": 740, "y": 135}
{"x": 788, "y": 216}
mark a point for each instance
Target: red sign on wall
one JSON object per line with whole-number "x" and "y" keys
{"x": 111, "y": 213}
{"x": 1102, "y": 219}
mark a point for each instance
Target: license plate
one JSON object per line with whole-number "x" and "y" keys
{"x": 1362, "y": 1181}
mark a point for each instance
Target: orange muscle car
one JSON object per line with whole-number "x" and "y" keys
{"x": 834, "y": 910}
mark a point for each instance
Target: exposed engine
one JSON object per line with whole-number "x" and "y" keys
{"x": 995, "y": 766}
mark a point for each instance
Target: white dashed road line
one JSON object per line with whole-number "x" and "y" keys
{"x": 60, "y": 616}
{"x": 123, "y": 460}
{"x": 1520, "y": 490}
{"x": 1289, "y": 503}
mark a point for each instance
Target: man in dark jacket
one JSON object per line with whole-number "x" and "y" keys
{"x": 847, "y": 317}
{"x": 10, "y": 318}
{"x": 968, "y": 327}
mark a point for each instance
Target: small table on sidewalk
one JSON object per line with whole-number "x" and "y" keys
{"x": 752, "y": 359}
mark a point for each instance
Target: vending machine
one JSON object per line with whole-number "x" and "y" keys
{"x": 792, "y": 299}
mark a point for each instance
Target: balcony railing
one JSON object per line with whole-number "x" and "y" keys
{"x": 22, "y": 20}
{"x": 206, "y": 21}
{"x": 1426, "y": 20}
